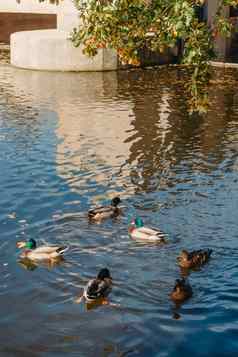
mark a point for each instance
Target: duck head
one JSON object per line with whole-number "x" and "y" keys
{"x": 136, "y": 223}
{"x": 31, "y": 244}
{"x": 104, "y": 274}
{"x": 115, "y": 201}
{"x": 184, "y": 256}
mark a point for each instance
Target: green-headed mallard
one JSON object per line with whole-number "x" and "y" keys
{"x": 193, "y": 259}
{"x": 41, "y": 253}
{"x": 138, "y": 231}
{"x": 99, "y": 288}
{"x": 182, "y": 291}
{"x": 103, "y": 212}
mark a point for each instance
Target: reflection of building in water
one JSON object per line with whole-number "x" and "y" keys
{"x": 91, "y": 131}
{"x": 126, "y": 135}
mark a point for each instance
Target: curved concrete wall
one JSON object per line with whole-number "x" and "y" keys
{"x": 52, "y": 50}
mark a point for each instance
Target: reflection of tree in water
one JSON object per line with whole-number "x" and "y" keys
{"x": 165, "y": 136}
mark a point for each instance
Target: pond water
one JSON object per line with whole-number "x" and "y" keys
{"x": 72, "y": 141}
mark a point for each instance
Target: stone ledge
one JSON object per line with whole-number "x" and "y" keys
{"x": 223, "y": 64}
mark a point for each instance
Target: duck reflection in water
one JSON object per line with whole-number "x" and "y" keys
{"x": 31, "y": 265}
{"x": 182, "y": 291}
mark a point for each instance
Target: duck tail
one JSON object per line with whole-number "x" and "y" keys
{"x": 91, "y": 213}
{"x": 61, "y": 250}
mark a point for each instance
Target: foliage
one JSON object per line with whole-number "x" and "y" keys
{"x": 129, "y": 25}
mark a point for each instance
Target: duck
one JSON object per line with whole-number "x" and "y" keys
{"x": 103, "y": 212}
{"x": 98, "y": 289}
{"x": 32, "y": 252}
{"x": 181, "y": 291}
{"x": 193, "y": 259}
{"x": 138, "y": 231}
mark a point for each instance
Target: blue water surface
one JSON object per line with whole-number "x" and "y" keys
{"x": 71, "y": 141}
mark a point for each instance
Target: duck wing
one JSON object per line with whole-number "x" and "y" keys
{"x": 151, "y": 232}
{"x": 46, "y": 252}
{"x": 101, "y": 211}
{"x": 105, "y": 287}
{"x": 50, "y": 249}
{"x": 96, "y": 289}
{"x": 200, "y": 256}
{"x": 147, "y": 234}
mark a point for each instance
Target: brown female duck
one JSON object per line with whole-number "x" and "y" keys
{"x": 193, "y": 259}
{"x": 182, "y": 291}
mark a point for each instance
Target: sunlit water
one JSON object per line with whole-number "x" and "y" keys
{"x": 71, "y": 141}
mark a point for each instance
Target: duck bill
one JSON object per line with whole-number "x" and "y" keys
{"x": 21, "y": 245}
{"x": 131, "y": 229}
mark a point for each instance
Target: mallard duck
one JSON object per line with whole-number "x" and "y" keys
{"x": 182, "y": 291}
{"x": 137, "y": 230}
{"x": 103, "y": 212}
{"x": 99, "y": 288}
{"x": 40, "y": 253}
{"x": 194, "y": 259}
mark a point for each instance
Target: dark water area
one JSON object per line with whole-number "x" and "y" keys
{"x": 71, "y": 141}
